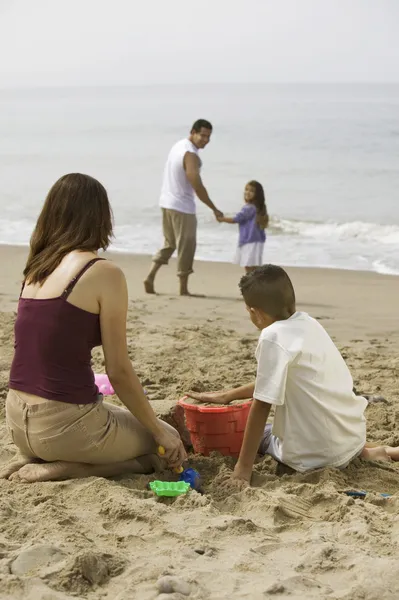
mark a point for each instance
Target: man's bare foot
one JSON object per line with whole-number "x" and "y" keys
{"x": 57, "y": 470}
{"x": 149, "y": 286}
{"x": 380, "y": 453}
{"x": 15, "y": 465}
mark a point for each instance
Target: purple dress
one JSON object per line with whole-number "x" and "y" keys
{"x": 251, "y": 238}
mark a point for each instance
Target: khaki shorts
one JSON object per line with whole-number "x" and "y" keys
{"x": 98, "y": 433}
{"x": 180, "y": 232}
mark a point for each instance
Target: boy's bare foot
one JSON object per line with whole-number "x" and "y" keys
{"x": 380, "y": 453}
{"x": 149, "y": 286}
{"x": 393, "y": 453}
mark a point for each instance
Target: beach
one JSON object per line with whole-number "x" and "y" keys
{"x": 290, "y": 537}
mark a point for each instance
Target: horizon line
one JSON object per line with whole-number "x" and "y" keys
{"x": 197, "y": 84}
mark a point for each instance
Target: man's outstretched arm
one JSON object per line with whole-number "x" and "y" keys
{"x": 192, "y": 168}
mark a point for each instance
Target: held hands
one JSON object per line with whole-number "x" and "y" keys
{"x": 218, "y": 214}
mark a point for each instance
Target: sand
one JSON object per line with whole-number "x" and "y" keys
{"x": 295, "y": 537}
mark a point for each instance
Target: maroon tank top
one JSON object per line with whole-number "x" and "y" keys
{"x": 53, "y": 344}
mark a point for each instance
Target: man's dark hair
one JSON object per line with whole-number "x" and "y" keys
{"x": 270, "y": 289}
{"x": 201, "y": 124}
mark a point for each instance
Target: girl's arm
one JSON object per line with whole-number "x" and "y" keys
{"x": 113, "y": 300}
{"x": 227, "y": 220}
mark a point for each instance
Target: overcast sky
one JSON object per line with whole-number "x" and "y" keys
{"x": 90, "y": 42}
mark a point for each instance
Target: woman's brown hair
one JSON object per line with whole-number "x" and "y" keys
{"x": 76, "y": 215}
{"x": 262, "y": 217}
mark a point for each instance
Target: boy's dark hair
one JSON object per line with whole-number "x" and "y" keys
{"x": 270, "y": 289}
{"x": 201, "y": 124}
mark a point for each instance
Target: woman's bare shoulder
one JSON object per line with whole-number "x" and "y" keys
{"x": 109, "y": 270}
{"x": 110, "y": 273}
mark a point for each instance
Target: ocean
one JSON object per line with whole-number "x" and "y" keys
{"x": 327, "y": 156}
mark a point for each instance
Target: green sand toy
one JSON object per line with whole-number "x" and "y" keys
{"x": 169, "y": 488}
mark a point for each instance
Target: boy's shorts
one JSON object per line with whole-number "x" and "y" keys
{"x": 270, "y": 445}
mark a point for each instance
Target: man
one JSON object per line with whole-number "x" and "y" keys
{"x": 181, "y": 182}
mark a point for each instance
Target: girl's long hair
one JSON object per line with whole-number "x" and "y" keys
{"x": 262, "y": 217}
{"x": 76, "y": 215}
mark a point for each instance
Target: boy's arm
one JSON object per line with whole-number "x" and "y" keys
{"x": 271, "y": 377}
{"x": 257, "y": 418}
{"x": 225, "y": 397}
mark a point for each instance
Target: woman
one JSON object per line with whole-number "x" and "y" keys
{"x": 72, "y": 301}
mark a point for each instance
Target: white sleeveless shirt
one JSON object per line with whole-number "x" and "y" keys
{"x": 177, "y": 192}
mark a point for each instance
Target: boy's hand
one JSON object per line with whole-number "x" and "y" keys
{"x": 241, "y": 474}
{"x": 210, "y": 397}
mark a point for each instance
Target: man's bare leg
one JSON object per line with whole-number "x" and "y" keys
{"x": 184, "y": 288}
{"x": 149, "y": 282}
{"x": 184, "y": 285}
{"x": 14, "y": 465}
{"x": 66, "y": 470}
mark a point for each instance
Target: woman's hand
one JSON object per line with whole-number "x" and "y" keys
{"x": 211, "y": 397}
{"x": 175, "y": 454}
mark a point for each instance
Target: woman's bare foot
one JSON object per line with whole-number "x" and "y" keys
{"x": 149, "y": 286}
{"x": 15, "y": 465}
{"x": 55, "y": 471}
{"x": 380, "y": 453}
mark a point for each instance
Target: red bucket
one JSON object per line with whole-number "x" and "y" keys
{"x": 219, "y": 428}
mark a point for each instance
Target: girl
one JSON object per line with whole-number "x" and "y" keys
{"x": 252, "y": 221}
{"x": 71, "y": 301}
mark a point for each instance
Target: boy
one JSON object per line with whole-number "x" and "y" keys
{"x": 318, "y": 420}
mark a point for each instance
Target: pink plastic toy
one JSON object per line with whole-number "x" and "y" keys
{"x": 103, "y": 383}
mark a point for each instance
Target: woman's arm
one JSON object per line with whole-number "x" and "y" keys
{"x": 113, "y": 300}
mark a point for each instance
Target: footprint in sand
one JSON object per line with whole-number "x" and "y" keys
{"x": 172, "y": 585}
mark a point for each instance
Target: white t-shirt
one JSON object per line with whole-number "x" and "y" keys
{"x": 318, "y": 421}
{"x": 177, "y": 192}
